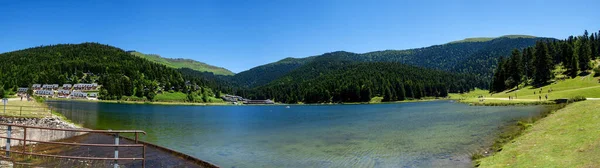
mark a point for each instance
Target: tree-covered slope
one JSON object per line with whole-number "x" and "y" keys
{"x": 184, "y": 63}
{"x": 477, "y": 57}
{"x": 264, "y": 74}
{"x": 119, "y": 73}
{"x": 345, "y": 81}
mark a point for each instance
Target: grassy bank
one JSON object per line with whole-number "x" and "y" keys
{"x": 24, "y": 109}
{"x": 568, "y": 137}
{"x": 586, "y": 86}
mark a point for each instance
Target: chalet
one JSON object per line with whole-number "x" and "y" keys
{"x": 50, "y": 86}
{"x": 93, "y": 95}
{"x": 67, "y": 86}
{"x": 22, "y": 90}
{"x": 36, "y": 87}
{"x": 64, "y": 93}
{"x": 77, "y": 94}
{"x": 85, "y": 86}
{"x": 48, "y": 93}
{"x": 259, "y": 102}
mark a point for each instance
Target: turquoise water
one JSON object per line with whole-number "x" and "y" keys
{"x": 423, "y": 134}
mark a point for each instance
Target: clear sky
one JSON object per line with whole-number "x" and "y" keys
{"x": 239, "y": 35}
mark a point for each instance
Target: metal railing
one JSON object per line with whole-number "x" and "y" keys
{"x": 116, "y": 144}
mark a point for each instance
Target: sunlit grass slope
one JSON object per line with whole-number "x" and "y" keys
{"x": 569, "y": 137}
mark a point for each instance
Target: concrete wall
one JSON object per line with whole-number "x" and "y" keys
{"x": 36, "y": 134}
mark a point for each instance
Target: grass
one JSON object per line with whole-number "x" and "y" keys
{"x": 184, "y": 63}
{"x": 587, "y": 86}
{"x": 567, "y": 138}
{"x": 171, "y": 97}
{"x": 25, "y": 109}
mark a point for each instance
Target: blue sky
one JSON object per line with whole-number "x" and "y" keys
{"x": 239, "y": 35}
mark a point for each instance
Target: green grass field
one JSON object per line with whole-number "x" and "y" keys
{"x": 26, "y": 109}
{"x": 569, "y": 137}
{"x": 587, "y": 86}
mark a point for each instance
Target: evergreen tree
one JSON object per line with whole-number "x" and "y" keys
{"x": 570, "y": 61}
{"x": 543, "y": 64}
{"x": 528, "y": 62}
{"x": 387, "y": 95}
{"x": 499, "y": 77}
{"x": 515, "y": 71}
{"x": 594, "y": 45}
{"x": 400, "y": 93}
{"x": 365, "y": 94}
{"x": 584, "y": 52}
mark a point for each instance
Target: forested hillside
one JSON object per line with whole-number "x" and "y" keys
{"x": 264, "y": 74}
{"x": 344, "y": 81}
{"x": 184, "y": 63}
{"x": 120, "y": 73}
{"x": 468, "y": 56}
{"x": 535, "y": 65}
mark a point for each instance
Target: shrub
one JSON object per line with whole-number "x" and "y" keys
{"x": 576, "y": 99}
{"x": 597, "y": 71}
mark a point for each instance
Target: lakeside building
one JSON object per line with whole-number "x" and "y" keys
{"x": 268, "y": 101}
{"x": 44, "y": 93}
{"x": 232, "y": 98}
{"x": 93, "y": 95}
{"x": 22, "y": 90}
{"x": 36, "y": 86}
{"x": 67, "y": 86}
{"x": 50, "y": 86}
{"x": 78, "y": 95}
{"x": 62, "y": 93}
{"x": 85, "y": 86}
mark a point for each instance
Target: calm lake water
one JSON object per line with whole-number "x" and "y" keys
{"x": 423, "y": 134}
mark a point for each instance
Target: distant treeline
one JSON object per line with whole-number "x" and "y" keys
{"x": 343, "y": 81}
{"x": 534, "y": 65}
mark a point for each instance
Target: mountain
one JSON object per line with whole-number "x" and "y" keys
{"x": 347, "y": 81}
{"x": 484, "y": 39}
{"x": 184, "y": 63}
{"x": 472, "y": 56}
{"x": 264, "y": 74}
{"x": 119, "y": 73}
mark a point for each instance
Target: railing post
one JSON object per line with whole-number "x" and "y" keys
{"x": 116, "y": 150}
{"x": 24, "y": 140}
{"x": 144, "y": 156}
{"x": 136, "y": 137}
{"x": 21, "y": 110}
{"x": 8, "y": 132}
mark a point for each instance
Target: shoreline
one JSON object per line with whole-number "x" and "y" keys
{"x": 231, "y": 104}
{"x": 511, "y": 132}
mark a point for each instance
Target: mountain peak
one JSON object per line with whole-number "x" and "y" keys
{"x": 484, "y": 39}
{"x": 183, "y": 63}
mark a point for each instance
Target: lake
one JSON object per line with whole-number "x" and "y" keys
{"x": 419, "y": 134}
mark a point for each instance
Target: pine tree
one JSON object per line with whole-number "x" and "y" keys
{"x": 516, "y": 71}
{"x": 387, "y": 95}
{"x": 570, "y": 61}
{"x": 594, "y": 45}
{"x": 543, "y": 64}
{"x": 365, "y": 94}
{"x": 584, "y": 52}
{"x": 400, "y": 93}
{"x": 499, "y": 77}
{"x": 528, "y": 62}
